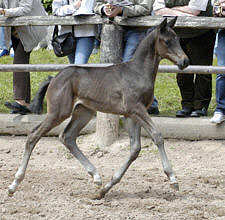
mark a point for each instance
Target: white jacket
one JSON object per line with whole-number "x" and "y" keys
{"x": 61, "y": 8}
{"x": 30, "y": 36}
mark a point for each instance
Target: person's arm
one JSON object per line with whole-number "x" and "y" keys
{"x": 192, "y": 9}
{"x": 140, "y": 9}
{"x": 24, "y": 8}
{"x": 61, "y": 8}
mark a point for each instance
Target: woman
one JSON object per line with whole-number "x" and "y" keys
{"x": 85, "y": 34}
{"x": 24, "y": 39}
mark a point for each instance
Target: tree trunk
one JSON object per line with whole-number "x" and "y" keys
{"x": 107, "y": 125}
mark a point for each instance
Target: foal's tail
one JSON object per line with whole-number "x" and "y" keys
{"x": 36, "y": 105}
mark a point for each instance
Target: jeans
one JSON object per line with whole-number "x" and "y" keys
{"x": 2, "y": 39}
{"x": 131, "y": 41}
{"x": 84, "y": 47}
{"x": 220, "y": 79}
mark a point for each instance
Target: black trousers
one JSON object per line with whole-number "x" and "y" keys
{"x": 21, "y": 80}
{"x": 196, "y": 89}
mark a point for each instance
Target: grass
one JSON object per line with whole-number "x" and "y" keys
{"x": 166, "y": 89}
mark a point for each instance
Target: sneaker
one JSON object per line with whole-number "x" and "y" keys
{"x": 199, "y": 113}
{"x": 217, "y": 118}
{"x": 4, "y": 53}
{"x": 153, "y": 110}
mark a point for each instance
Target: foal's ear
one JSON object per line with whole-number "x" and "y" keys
{"x": 172, "y": 22}
{"x": 162, "y": 26}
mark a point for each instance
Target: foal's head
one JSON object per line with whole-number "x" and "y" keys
{"x": 168, "y": 45}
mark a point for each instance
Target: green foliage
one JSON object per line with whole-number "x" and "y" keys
{"x": 47, "y": 5}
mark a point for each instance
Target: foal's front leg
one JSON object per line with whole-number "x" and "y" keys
{"x": 142, "y": 117}
{"x": 135, "y": 147}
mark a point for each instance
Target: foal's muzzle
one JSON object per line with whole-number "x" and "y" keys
{"x": 182, "y": 64}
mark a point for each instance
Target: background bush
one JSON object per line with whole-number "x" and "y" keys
{"x": 48, "y": 5}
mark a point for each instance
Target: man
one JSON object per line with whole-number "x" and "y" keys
{"x": 24, "y": 39}
{"x": 219, "y": 113}
{"x": 196, "y": 91}
{"x": 131, "y": 35}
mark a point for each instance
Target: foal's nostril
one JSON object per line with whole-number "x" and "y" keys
{"x": 183, "y": 63}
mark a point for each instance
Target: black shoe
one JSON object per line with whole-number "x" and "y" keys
{"x": 199, "y": 112}
{"x": 17, "y": 108}
{"x": 153, "y": 110}
{"x": 183, "y": 113}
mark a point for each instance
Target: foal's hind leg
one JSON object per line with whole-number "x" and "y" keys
{"x": 135, "y": 147}
{"x": 141, "y": 116}
{"x": 32, "y": 140}
{"x": 80, "y": 117}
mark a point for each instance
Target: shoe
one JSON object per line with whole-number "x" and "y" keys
{"x": 17, "y": 108}
{"x": 4, "y": 53}
{"x": 153, "y": 110}
{"x": 217, "y": 118}
{"x": 199, "y": 113}
{"x": 183, "y": 113}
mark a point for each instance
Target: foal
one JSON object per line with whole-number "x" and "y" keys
{"x": 124, "y": 89}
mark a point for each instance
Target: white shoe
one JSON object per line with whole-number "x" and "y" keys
{"x": 217, "y": 118}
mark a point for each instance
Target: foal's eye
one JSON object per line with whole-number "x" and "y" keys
{"x": 167, "y": 43}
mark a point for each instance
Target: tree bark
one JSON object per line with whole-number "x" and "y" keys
{"x": 107, "y": 125}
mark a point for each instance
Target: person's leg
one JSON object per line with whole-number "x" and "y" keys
{"x": 21, "y": 80}
{"x": 185, "y": 83}
{"x": 204, "y": 56}
{"x": 5, "y": 50}
{"x": 219, "y": 114}
{"x": 131, "y": 41}
{"x": 84, "y": 47}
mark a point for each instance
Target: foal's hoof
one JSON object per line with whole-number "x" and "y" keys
{"x": 10, "y": 192}
{"x": 174, "y": 186}
{"x": 97, "y": 181}
{"x": 98, "y": 195}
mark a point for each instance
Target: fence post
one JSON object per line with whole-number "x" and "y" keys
{"x": 107, "y": 125}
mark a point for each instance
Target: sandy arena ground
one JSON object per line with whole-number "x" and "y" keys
{"x": 56, "y": 186}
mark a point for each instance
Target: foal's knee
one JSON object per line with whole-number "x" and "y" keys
{"x": 158, "y": 139}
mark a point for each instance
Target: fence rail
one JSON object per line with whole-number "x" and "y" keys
{"x": 57, "y": 67}
{"x": 145, "y": 21}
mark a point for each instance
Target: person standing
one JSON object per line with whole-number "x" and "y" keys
{"x": 219, "y": 113}
{"x": 196, "y": 91}
{"x": 131, "y": 35}
{"x": 85, "y": 34}
{"x": 24, "y": 39}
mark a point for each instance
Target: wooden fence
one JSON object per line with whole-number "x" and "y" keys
{"x": 111, "y": 50}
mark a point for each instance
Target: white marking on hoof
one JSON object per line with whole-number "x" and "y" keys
{"x": 174, "y": 186}
{"x": 97, "y": 180}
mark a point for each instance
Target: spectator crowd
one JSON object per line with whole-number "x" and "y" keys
{"x": 195, "y": 89}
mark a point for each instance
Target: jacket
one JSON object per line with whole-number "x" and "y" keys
{"x": 139, "y": 8}
{"x": 30, "y": 36}
{"x": 61, "y": 8}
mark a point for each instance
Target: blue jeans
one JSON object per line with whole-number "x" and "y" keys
{"x": 131, "y": 41}
{"x": 84, "y": 47}
{"x": 220, "y": 78}
{"x": 2, "y": 39}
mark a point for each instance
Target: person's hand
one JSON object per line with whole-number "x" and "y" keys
{"x": 2, "y": 12}
{"x": 112, "y": 11}
{"x": 77, "y": 4}
{"x": 219, "y": 8}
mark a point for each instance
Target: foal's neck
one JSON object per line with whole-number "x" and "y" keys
{"x": 146, "y": 56}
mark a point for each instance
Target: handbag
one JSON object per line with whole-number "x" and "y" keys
{"x": 63, "y": 44}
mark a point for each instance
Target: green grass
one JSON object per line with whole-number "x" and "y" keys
{"x": 166, "y": 89}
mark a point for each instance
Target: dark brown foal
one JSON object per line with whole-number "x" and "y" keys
{"x": 124, "y": 89}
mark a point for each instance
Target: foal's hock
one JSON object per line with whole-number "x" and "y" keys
{"x": 124, "y": 89}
